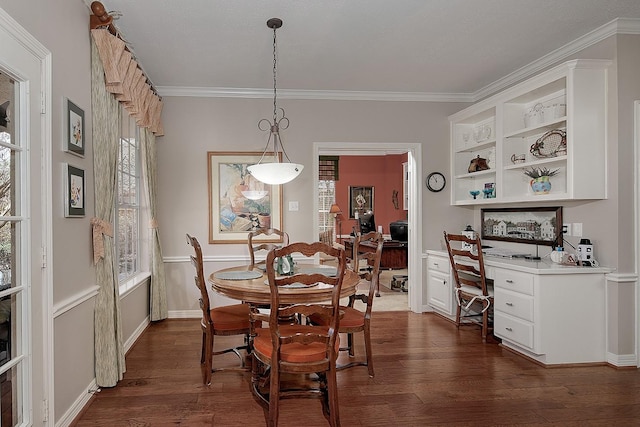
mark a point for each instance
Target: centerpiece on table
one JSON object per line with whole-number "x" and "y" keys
{"x": 540, "y": 183}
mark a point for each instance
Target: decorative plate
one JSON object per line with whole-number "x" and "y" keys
{"x": 238, "y": 275}
{"x": 295, "y": 285}
{"x": 326, "y": 271}
{"x": 549, "y": 144}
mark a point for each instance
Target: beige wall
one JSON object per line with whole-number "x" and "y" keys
{"x": 194, "y": 126}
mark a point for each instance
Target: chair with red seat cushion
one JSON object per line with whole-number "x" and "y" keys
{"x": 225, "y": 320}
{"x": 256, "y": 243}
{"x": 285, "y": 354}
{"x": 354, "y": 320}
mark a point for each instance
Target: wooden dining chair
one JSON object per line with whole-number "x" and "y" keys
{"x": 361, "y": 261}
{"x": 285, "y": 355}
{"x": 226, "y": 320}
{"x": 474, "y": 292}
{"x": 255, "y": 246}
{"x": 354, "y": 320}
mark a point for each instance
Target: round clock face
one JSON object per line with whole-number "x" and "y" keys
{"x": 436, "y": 181}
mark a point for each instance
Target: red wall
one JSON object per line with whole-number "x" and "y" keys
{"x": 384, "y": 174}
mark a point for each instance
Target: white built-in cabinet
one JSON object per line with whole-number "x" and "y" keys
{"x": 551, "y": 313}
{"x": 570, "y": 97}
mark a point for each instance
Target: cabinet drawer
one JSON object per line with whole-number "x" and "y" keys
{"x": 438, "y": 264}
{"x": 513, "y": 303}
{"x": 514, "y": 330}
{"x": 514, "y": 281}
{"x": 440, "y": 291}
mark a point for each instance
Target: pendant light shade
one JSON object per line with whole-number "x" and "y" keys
{"x": 275, "y": 173}
{"x": 255, "y": 194}
{"x": 278, "y": 171}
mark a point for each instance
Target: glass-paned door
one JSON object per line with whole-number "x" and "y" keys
{"x": 24, "y": 182}
{"x": 11, "y": 283}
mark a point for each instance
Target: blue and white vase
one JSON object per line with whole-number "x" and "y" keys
{"x": 540, "y": 185}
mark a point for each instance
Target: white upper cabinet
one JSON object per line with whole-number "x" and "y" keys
{"x": 561, "y": 111}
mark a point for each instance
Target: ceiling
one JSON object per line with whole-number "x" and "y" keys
{"x": 436, "y": 49}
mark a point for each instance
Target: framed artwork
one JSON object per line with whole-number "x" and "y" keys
{"x": 74, "y": 205}
{"x": 235, "y": 203}
{"x": 360, "y": 200}
{"x": 539, "y": 226}
{"x": 74, "y": 140}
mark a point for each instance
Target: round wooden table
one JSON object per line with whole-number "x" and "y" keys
{"x": 256, "y": 291}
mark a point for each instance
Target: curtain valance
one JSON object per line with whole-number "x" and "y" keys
{"x": 127, "y": 82}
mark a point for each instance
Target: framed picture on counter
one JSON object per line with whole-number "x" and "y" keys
{"x": 538, "y": 226}
{"x": 238, "y": 203}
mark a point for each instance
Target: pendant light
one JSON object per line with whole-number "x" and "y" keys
{"x": 278, "y": 171}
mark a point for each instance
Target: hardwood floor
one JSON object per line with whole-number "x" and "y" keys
{"x": 427, "y": 374}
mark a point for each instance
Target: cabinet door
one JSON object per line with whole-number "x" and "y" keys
{"x": 440, "y": 291}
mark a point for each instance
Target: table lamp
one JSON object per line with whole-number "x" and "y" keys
{"x": 335, "y": 211}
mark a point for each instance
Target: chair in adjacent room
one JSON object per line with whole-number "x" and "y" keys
{"x": 285, "y": 356}
{"x": 474, "y": 292}
{"x": 353, "y": 319}
{"x": 257, "y": 246}
{"x": 226, "y": 320}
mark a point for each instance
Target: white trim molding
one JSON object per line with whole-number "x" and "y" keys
{"x": 75, "y": 300}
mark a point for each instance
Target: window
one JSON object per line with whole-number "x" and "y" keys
{"x": 326, "y": 197}
{"x": 128, "y": 199}
{"x": 327, "y": 177}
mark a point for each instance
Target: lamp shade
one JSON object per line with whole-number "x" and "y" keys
{"x": 335, "y": 209}
{"x": 255, "y": 194}
{"x": 275, "y": 173}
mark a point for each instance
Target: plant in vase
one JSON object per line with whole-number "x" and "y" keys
{"x": 540, "y": 183}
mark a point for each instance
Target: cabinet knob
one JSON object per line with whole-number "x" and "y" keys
{"x": 510, "y": 304}
{"x": 509, "y": 281}
{"x": 509, "y": 329}
{"x": 435, "y": 263}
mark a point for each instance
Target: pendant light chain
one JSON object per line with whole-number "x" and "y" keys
{"x": 275, "y": 108}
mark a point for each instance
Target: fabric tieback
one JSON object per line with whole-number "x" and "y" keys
{"x": 153, "y": 223}
{"x": 99, "y": 227}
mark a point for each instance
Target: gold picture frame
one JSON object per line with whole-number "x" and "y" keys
{"x": 232, "y": 215}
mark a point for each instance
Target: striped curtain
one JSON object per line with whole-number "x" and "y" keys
{"x": 158, "y": 297}
{"x": 108, "y": 342}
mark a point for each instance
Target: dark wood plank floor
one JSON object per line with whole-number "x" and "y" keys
{"x": 427, "y": 374}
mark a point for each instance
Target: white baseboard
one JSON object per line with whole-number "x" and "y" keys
{"x": 185, "y": 314}
{"x": 84, "y": 397}
{"x": 622, "y": 359}
{"x": 77, "y": 406}
{"x": 136, "y": 334}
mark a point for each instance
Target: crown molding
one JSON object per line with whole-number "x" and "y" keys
{"x": 616, "y": 26}
{"x": 339, "y": 95}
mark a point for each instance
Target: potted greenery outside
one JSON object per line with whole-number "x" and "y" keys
{"x": 540, "y": 183}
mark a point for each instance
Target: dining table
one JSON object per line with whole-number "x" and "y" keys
{"x": 252, "y": 285}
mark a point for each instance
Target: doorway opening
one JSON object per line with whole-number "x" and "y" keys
{"x": 414, "y": 160}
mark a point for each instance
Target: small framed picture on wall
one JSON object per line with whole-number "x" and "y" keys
{"x": 74, "y": 141}
{"x": 74, "y": 205}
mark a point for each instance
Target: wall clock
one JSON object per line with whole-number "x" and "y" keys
{"x": 435, "y": 182}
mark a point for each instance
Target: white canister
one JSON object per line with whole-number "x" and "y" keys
{"x": 469, "y": 234}
{"x": 557, "y": 256}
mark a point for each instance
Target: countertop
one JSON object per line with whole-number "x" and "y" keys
{"x": 543, "y": 266}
